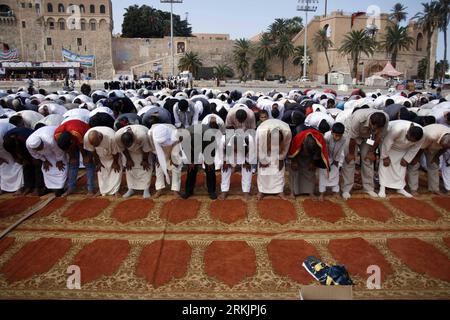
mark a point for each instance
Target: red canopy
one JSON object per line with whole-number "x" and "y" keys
{"x": 389, "y": 71}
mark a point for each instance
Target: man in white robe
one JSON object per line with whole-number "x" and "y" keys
{"x": 133, "y": 142}
{"x": 11, "y": 173}
{"x": 42, "y": 146}
{"x": 271, "y": 156}
{"x": 436, "y": 143}
{"x": 400, "y": 145}
{"x": 26, "y": 118}
{"x": 101, "y": 141}
{"x": 165, "y": 145}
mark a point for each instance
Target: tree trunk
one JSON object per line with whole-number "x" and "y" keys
{"x": 430, "y": 35}
{"x": 445, "y": 53}
{"x": 282, "y": 67}
{"x": 328, "y": 60}
{"x": 394, "y": 59}
{"x": 355, "y": 68}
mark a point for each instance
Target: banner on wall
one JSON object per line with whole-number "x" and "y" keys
{"x": 9, "y": 55}
{"x": 85, "y": 61}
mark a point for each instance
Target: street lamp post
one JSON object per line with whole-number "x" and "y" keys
{"x": 171, "y": 30}
{"x": 306, "y": 6}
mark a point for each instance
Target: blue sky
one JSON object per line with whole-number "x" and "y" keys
{"x": 246, "y": 18}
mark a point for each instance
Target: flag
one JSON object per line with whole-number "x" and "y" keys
{"x": 355, "y": 15}
{"x": 7, "y": 54}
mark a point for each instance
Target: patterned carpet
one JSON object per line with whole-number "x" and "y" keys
{"x": 232, "y": 249}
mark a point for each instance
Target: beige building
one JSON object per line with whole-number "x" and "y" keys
{"x": 338, "y": 25}
{"x": 153, "y": 56}
{"x": 40, "y": 29}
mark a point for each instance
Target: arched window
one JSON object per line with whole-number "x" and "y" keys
{"x": 82, "y": 8}
{"x": 49, "y": 7}
{"x": 93, "y": 24}
{"x": 419, "y": 42}
{"x": 62, "y": 24}
{"x": 102, "y": 9}
{"x": 83, "y": 25}
{"x": 102, "y": 24}
{"x": 92, "y": 8}
{"x": 327, "y": 28}
{"x": 51, "y": 23}
{"x": 61, "y": 8}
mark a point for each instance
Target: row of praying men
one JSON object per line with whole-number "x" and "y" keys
{"x": 44, "y": 137}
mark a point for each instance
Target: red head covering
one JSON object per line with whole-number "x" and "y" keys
{"x": 299, "y": 139}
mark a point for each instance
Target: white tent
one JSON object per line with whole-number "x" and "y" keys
{"x": 375, "y": 81}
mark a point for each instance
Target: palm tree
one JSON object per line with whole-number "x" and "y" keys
{"x": 428, "y": 20}
{"x": 440, "y": 69}
{"x": 223, "y": 71}
{"x": 322, "y": 43}
{"x": 398, "y": 13}
{"x": 265, "y": 47}
{"x": 422, "y": 69}
{"x": 241, "y": 52}
{"x": 396, "y": 39}
{"x": 190, "y": 62}
{"x": 355, "y": 43}
{"x": 298, "y": 56}
{"x": 444, "y": 18}
{"x": 260, "y": 68}
{"x": 279, "y": 28}
{"x": 283, "y": 50}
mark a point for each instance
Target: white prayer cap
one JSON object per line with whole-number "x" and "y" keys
{"x": 87, "y": 105}
{"x": 81, "y": 98}
{"x": 116, "y": 93}
{"x": 181, "y": 95}
{"x": 34, "y": 141}
{"x": 162, "y": 134}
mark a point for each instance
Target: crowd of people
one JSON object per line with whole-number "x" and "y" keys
{"x": 310, "y": 139}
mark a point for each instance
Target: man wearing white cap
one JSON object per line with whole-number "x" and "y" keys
{"x": 42, "y": 146}
{"x": 101, "y": 141}
{"x": 165, "y": 144}
{"x": 133, "y": 142}
{"x": 273, "y": 138}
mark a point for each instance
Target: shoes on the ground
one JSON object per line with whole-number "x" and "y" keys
{"x": 213, "y": 196}
{"x": 186, "y": 195}
{"x": 316, "y": 268}
{"x": 326, "y": 275}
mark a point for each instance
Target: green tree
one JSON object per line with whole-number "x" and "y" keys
{"x": 398, "y": 13}
{"x": 298, "y": 57}
{"x": 428, "y": 20}
{"x": 422, "y": 69}
{"x": 265, "y": 47}
{"x": 190, "y": 62}
{"x": 322, "y": 44}
{"x": 241, "y": 56}
{"x": 396, "y": 39}
{"x": 223, "y": 71}
{"x": 283, "y": 50}
{"x": 260, "y": 68}
{"x": 440, "y": 69}
{"x": 354, "y": 44}
{"x": 148, "y": 22}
